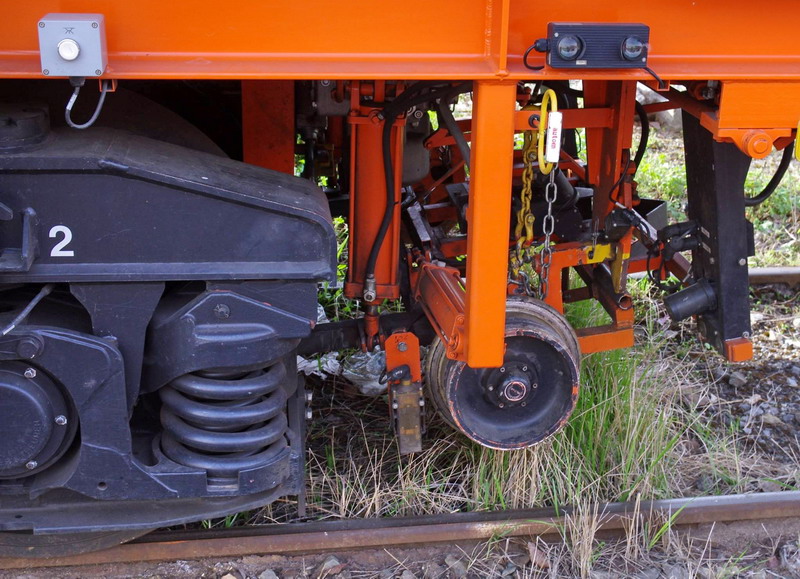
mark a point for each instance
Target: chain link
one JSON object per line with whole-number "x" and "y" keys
{"x": 548, "y": 226}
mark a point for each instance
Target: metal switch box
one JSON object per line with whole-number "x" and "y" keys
{"x": 73, "y": 44}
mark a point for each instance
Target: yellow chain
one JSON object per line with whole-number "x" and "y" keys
{"x": 524, "y": 229}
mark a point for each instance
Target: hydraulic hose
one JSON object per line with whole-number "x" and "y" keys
{"x": 642, "y": 148}
{"x": 786, "y": 159}
{"x": 452, "y": 127}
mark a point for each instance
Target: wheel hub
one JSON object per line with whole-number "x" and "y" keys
{"x": 35, "y": 421}
{"x": 512, "y": 384}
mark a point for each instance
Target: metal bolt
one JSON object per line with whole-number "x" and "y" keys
{"x": 501, "y": 405}
{"x": 395, "y": 406}
{"x": 222, "y": 311}
{"x": 309, "y": 396}
{"x": 418, "y": 114}
{"x": 94, "y": 24}
{"x": 491, "y": 388}
{"x": 31, "y": 464}
{"x": 402, "y": 346}
{"x": 502, "y": 369}
{"x": 41, "y": 25}
{"x": 745, "y": 335}
{"x": 524, "y": 368}
{"x": 524, "y": 404}
{"x": 30, "y": 373}
{"x": 422, "y": 402}
{"x": 742, "y": 261}
{"x": 98, "y": 72}
{"x": 28, "y": 348}
{"x": 325, "y": 82}
{"x": 45, "y": 72}
{"x": 711, "y": 260}
{"x": 309, "y": 414}
{"x": 61, "y": 420}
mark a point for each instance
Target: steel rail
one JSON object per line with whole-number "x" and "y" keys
{"x": 765, "y": 275}
{"x": 302, "y": 538}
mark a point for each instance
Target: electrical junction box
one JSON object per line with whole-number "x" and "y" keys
{"x": 594, "y": 45}
{"x": 73, "y": 44}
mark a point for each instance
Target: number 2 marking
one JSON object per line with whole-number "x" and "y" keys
{"x": 58, "y": 250}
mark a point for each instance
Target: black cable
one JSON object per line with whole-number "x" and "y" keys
{"x": 525, "y": 59}
{"x": 24, "y": 313}
{"x": 449, "y": 121}
{"x": 661, "y": 84}
{"x": 617, "y": 185}
{"x": 644, "y": 138}
{"x": 786, "y": 160}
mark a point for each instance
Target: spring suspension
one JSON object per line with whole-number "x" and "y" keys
{"x": 225, "y": 421}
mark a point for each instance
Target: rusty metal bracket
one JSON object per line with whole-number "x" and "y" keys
{"x": 403, "y": 369}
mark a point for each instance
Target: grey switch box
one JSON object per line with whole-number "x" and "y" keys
{"x": 73, "y": 44}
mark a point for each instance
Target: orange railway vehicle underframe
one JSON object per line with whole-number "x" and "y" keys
{"x": 483, "y": 42}
{"x": 160, "y": 271}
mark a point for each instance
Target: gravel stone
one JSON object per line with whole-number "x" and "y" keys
{"x": 268, "y": 574}
{"x": 676, "y": 572}
{"x": 737, "y": 380}
{"x": 651, "y": 573}
{"x": 456, "y": 566}
{"x": 431, "y": 570}
{"x": 408, "y": 575}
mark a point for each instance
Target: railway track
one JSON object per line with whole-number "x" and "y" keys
{"x": 304, "y": 538}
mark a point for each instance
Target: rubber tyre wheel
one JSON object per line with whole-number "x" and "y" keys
{"x": 26, "y": 545}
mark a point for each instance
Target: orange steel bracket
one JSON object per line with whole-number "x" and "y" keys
{"x": 738, "y": 349}
{"x": 441, "y": 295}
{"x": 487, "y": 214}
{"x": 402, "y": 348}
{"x": 268, "y": 133}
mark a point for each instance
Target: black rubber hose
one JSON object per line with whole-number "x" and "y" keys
{"x": 786, "y": 159}
{"x": 446, "y": 115}
{"x": 645, "y": 137}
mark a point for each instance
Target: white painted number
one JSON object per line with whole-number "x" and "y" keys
{"x": 58, "y": 250}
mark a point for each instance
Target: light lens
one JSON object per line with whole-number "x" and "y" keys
{"x": 632, "y": 48}
{"x": 569, "y": 47}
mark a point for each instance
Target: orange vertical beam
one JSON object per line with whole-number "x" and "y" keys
{"x": 268, "y": 134}
{"x": 488, "y": 217}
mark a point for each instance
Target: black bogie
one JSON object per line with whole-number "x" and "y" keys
{"x": 162, "y": 366}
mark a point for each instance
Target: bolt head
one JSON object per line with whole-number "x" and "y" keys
{"x": 742, "y": 261}
{"x": 502, "y": 370}
{"x": 222, "y": 311}
{"x": 41, "y": 25}
{"x": 98, "y": 72}
{"x": 31, "y": 464}
{"x": 94, "y": 24}
{"x": 28, "y": 348}
{"x": 30, "y": 373}
{"x": 524, "y": 368}
{"x": 45, "y": 72}
{"x": 309, "y": 414}
{"x": 402, "y": 346}
{"x": 61, "y": 420}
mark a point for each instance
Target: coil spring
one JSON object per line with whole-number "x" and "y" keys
{"x": 225, "y": 421}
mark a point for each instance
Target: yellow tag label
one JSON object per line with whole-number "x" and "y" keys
{"x": 797, "y": 144}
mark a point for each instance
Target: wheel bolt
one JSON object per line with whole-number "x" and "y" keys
{"x": 30, "y": 373}
{"x": 32, "y": 464}
{"x": 61, "y": 420}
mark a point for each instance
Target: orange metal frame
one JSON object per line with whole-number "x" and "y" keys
{"x": 481, "y": 41}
